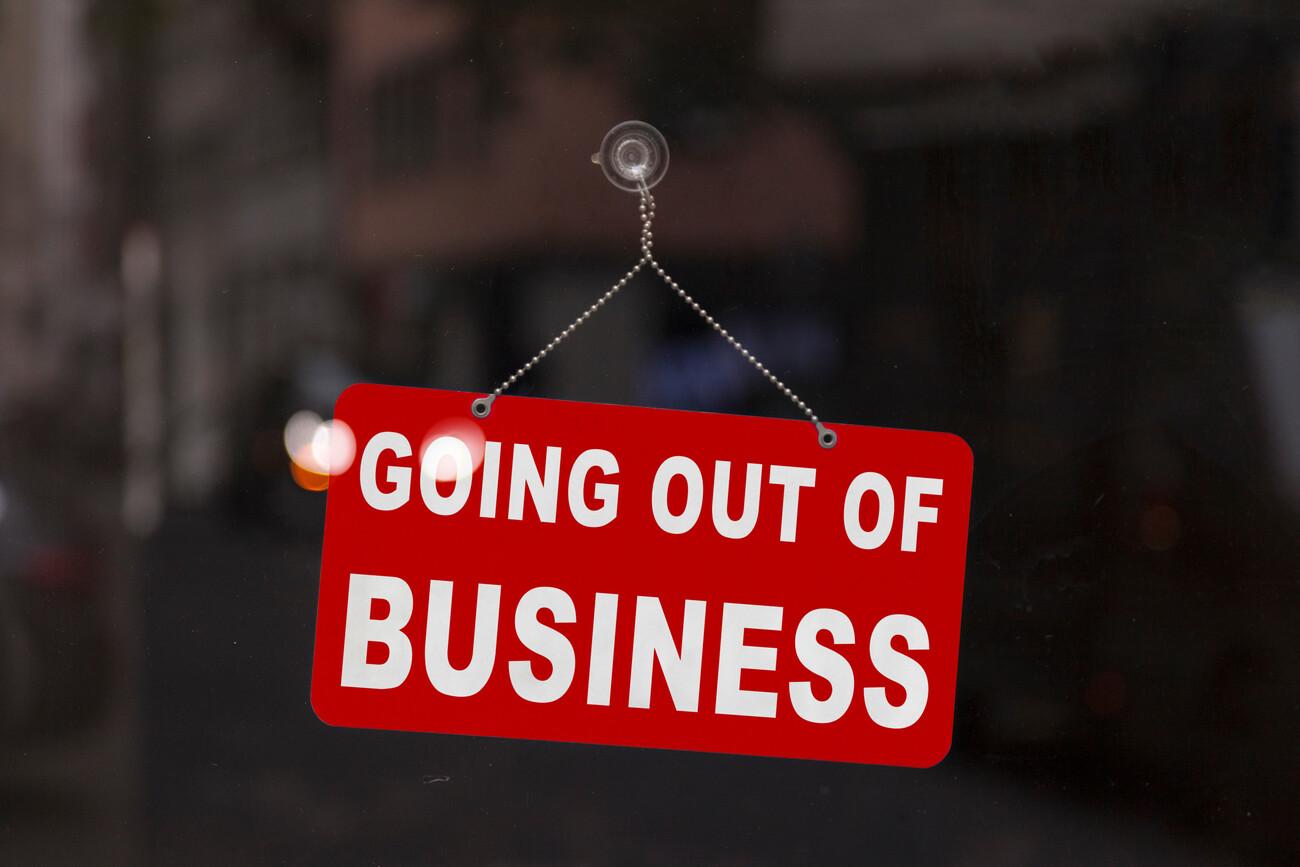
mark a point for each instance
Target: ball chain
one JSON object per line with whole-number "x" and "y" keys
{"x": 483, "y": 405}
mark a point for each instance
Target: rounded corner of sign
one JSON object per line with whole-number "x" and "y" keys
{"x": 937, "y": 758}
{"x": 347, "y": 395}
{"x": 323, "y": 711}
{"x": 960, "y": 443}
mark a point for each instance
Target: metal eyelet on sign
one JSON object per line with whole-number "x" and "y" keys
{"x": 826, "y": 437}
{"x": 482, "y": 406}
{"x": 633, "y": 156}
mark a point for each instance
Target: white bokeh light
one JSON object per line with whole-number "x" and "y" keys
{"x": 333, "y": 446}
{"x": 299, "y": 432}
{"x": 324, "y": 447}
{"x": 464, "y": 430}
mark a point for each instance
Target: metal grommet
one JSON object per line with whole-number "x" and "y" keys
{"x": 481, "y": 407}
{"x": 826, "y": 437}
{"x": 633, "y": 156}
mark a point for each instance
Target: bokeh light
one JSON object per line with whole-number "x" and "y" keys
{"x": 308, "y": 480}
{"x": 317, "y": 449}
{"x": 464, "y": 430}
{"x": 333, "y": 446}
{"x": 299, "y": 432}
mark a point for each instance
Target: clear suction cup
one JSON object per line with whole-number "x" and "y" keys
{"x": 633, "y": 153}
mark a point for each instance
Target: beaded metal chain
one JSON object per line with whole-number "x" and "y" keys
{"x": 483, "y": 405}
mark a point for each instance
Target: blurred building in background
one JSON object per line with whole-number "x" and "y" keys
{"x": 58, "y": 305}
{"x": 66, "y": 685}
{"x": 244, "y": 211}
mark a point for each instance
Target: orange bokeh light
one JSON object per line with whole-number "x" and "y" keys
{"x": 307, "y": 479}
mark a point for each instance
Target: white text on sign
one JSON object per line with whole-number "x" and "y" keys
{"x": 448, "y": 458}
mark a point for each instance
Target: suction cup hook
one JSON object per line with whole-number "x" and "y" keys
{"x": 633, "y": 153}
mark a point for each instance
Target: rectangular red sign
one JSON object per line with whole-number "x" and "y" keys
{"x": 653, "y": 578}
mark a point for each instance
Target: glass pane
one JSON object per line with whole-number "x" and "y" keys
{"x": 1066, "y": 232}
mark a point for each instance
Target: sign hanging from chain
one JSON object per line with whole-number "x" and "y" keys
{"x": 550, "y": 570}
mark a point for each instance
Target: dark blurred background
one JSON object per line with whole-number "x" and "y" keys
{"x": 1066, "y": 231}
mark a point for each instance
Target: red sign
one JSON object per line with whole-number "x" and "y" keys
{"x": 618, "y": 575}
